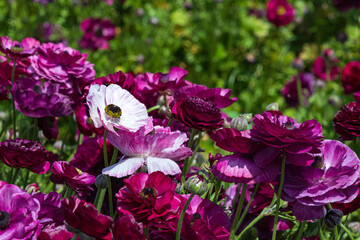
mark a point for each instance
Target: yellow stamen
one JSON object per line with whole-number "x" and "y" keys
{"x": 113, "y": 111}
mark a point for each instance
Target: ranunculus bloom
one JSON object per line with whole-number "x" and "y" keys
{"x": 333, "y": 177}
{"x": 150, "y": 198}
{"x": 49, "y": 127}
{"x": 53, "y": 232}
{"x": 279, "y": 12}
{"x": 19, "y": 213}
{"x": 347, "y": 121}
{"x": 199, "y": 107}
{"x": 64, "y": 66}
{"x": 17, "y": 51}
{"x": 50, "y": 208}
{"x": 299, "y": 141}
{"x": 97, "y": 33}
{"x": 63, "y": 172}
{"x": 157, "y": 150}
{"x": 83, "y": 216}
{"x": 36, "y": 100}
{"x": 162, "y": 82}
{"x": 23, "y": 153}
{"x": 290, "y": 92}
{"x": 113, "y": 107}
{"x": 350, "y": 207}
{"x": 126, "y": 228}
{"x": 345, "y": 5}
{"x": 319, "y": 67}
{"x": 350, "y": 77}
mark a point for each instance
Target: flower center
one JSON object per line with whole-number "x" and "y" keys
{"x": 113, "y": 111}
{"x": 289, "y": 125}
{"x": 17, "y": 48}
{"x": 318, "y": 162}
{"x": 145, "y": 192}
{"x": 280, "y": 11}
{"x": 4, "y": 219}
{"x": 201, "y": 105}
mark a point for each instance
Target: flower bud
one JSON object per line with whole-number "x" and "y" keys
{"x": 196, "y": 184}
{"x": 101, "y": 181}
{"x": 298, "y": 64}
{"x": 179, "y": 188}
{"x": 32, "y": 188}
{"x": 333, "y": 218}
{"x": 240, "y": 123}
{"x": 354, "y": 227}
{"x": 248, "y": 117}
{"x": 272, "y": 106}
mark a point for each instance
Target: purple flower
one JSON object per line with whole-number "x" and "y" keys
{"x": 5, "y": 80}
{"x": 126, "y": 228}
{"x": 62, "y": 65}
{"x": 17, "y": 51}
{"x": 63, "y": 172}
{"x": 36, "y": 100}
{"x": 23, "y": 153}
{"x": 50, "y": 208}
{"x": 97, "y": 33}
{"x": 84, "y": 122}
{"x": 279, "y": 12}
{"x": 333, "y": 177}
{"x": 299, "y": 141}
{"x": 52, "y": 232}
{"x": 158, "y": 150}
{"x": 162, "y": 82}
{"x": 18, "y": 214}
{"x": 322, "y": 63}
{"x": 307, "y": 89}
{"x": 347, "y": 121}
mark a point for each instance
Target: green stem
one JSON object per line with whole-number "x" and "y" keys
{"x": 14, "y": 177}
{"x": 217, "y": 190}
{"x": 187, "y": 161}
{"x": 279, "y": 197}
{"x": 67, "y": 193}
{"x": 170, "y": 122}
{"x": 146, "y": 231}
{"x": 247, "y": 206}
{"x": 238, "y": 211}
{"x": 178, "y": 230}
{"x": 108, "y": 177}
{"x": 165, "y": 100}
{"x": 347, "y": 231}
{"x": 153, "y": 108}
{"x": 261, "y": 215}
{"x": 114, "y": 155}
{"x": 236, "y": 196}
{"x": 106, "y": 163}
{"x": 321, "y": 235}
{"x": 301, "y": 230}
{"x": 13, "y": 102}
{"x": 99, "y": 199}
{"x": 210, "y": 188}
{"x": 35, "y": 128}
{"x": 74, "y": 237}
{"x": 26, "y": 178}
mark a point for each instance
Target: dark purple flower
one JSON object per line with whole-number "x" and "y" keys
{"x": 333, "y": 177}
{"x": 36, "y": 100}
{"x": 279, "y": 12}
{"x": 162, "y": 82}
{"x": 307, "y": 89}
{"x": 64, "y": 66}
{"x": 299, "y": 141}
{"x": 63, "y": 172}
{"x": 325, "y": 66}
{"x": 49, "y": 127}
{"x": 345, "y": 5}
{"x": 23, "y": 153}
{"x": 52, "y": 232}
{"x": 83, "y": 216}
{"x": 17, "y": 51}
{"x": 18, "y": 213}
{"x": 97, "y": 33}
{"x": 50, "y": 208}
{"x": 350, "y": 77}
{"x": 84, "y": 122}
{"x": 126, "y": 228}
{"x": 347, "y": 121}
{"x": 5, "y": 80}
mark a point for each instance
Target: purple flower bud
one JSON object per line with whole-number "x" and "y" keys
{"x": 333, "y": 218}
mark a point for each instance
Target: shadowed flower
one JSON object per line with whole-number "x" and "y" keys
{"x": 158, "y": 150}
{"x": 333, "y": 177}
{"x": 113, "y": 107}
{"x": 18, "y": 214}
{"x": 307, "y": 89}
{"x": 17, "y": 51}
{"x": 23, "y": 153}
{"x": 126, "y": 228}
{"x": 83, "y": 216}
{"x": 97, "y": 33}
{"x": 63, "y": 172}
{"x": 50, "y": 208}
{"x": 150, "y": 198}
{"x": 347, "y": 121}
{"x": 279, "y": 12}
{"x": 324, "y": 67}
{"x": 350, "y": 77}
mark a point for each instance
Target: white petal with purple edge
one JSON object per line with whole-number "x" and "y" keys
{"x": 164, "y": 165}
{"x": 124, "y": 167}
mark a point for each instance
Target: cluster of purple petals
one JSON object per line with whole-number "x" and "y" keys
{"x": 290, "y": 92}
{"x": 347, "y": 121}
{"x": 18, "y": 50}
{"x": 97, "y": 33}
{"x": 319, "y": 68}
{"x": 279, "y": 12}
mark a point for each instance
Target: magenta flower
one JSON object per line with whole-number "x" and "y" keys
{"x": 299, "y": 141}
{"x": 49, "y": 127}
{"x": 150, "y": 198}
{"x": 50, "y": 208}
{"x": 18, "y": 213}
{"x": 307, "y": 89}
{"x": 83, "y": 216}
{"x": 52, "y": 232}
{"x": 23, "y": 153}
{"x": 62, "y": 65}
{"x": 162, "y": 82}
{"x": 333, "y": 177}
{"x": 158, "y": 151}
{"x": 63, "y": 172}
{"x": 350, "y": 79}
{"x": 36, "y": 100}
{"x": 347, "y": 121}
{"x": 199, "y": 107}
{"x": 126, "y": 228}
{"x": 5, "y": 80}
{"x": 327, "y": 60}
{"x": 279, "y": 12}
{"x": 97, "y": 33}
{"x": 84, "y": 122}
{"x": 17, "y": 51}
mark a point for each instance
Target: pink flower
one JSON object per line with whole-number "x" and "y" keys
{"x": 279, "y": 12}
{"x": 126, "y": 228}
{"x": 17, "y": 51}
{"x": 322, "y": 63}
{"x": 158, "y": 151}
